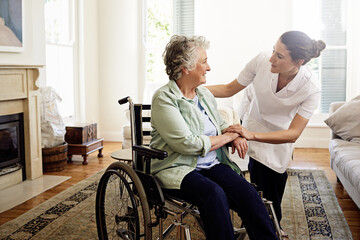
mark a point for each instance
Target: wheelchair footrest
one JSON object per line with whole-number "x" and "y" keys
{"x": 175, "y": 200}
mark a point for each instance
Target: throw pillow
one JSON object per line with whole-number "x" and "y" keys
{"x": 345, "y": 121}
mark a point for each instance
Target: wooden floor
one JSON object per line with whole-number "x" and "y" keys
{"x": 303, "y": 159}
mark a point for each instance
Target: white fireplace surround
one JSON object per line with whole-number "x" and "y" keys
{"x": 19, "y": 94}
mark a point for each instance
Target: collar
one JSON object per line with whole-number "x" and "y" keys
{"x": 177, "y": 92}
{"x": 294, "y": 84}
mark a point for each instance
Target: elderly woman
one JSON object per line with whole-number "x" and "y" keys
{"x": 187, "y": 125}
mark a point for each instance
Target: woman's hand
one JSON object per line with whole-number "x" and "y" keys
{"x": 240, "y": 144}
{"x": 243, "y": 132}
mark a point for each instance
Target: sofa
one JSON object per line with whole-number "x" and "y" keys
{"x": 227, "y": 113}
{"x": 344, "y": 147}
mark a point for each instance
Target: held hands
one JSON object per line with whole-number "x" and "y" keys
{"x": 243, "y": 132}
{"x": 240, "y": 144}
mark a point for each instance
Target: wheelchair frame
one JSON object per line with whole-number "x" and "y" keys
{"x": 126, "y": 195}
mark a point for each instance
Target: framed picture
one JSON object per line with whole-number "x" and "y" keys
{"x": 11, "y": 26}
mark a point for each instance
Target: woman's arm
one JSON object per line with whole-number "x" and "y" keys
{"x": 290, "y": 135}
{"x": 221, "y": 140}
{"x": 226, "y": 90}
{"x": 168, "y": 121}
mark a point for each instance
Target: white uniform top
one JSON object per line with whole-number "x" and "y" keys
{"x": 274, "y": 111}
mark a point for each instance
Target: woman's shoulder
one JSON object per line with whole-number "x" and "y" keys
{"x": 308, "y": 75}
{"x": 309, "y": 79}
{"x": 205, "y": 93}
{"x": 165, "y": 88}
{"x": 260, "y": 61}
{"x": 201, "y": 90}
{"x": 165, "y": 93}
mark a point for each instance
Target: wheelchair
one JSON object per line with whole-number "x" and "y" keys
{"x": 130, "y": 203}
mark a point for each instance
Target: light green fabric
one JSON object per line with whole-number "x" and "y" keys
{"x": 178, "y": 129}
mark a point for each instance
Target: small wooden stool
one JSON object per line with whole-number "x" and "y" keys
{"x": 85, "y": 149}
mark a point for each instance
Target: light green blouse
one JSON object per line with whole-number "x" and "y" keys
{"x": 178, "y": 129}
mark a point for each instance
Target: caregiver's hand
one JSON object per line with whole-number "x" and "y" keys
{"x": 237, "y": 128}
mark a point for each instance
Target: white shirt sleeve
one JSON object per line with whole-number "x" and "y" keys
{"x": 308, "y": 107}
{"x": 248, "y": 74}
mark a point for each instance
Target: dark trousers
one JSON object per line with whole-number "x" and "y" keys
{"x": 213, "y": 191}
{"x": 270, "y": 182}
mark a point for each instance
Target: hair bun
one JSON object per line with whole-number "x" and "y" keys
{"x": 318, "y": 46}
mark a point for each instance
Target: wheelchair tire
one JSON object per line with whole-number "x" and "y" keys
{"x": 122, "y": 209}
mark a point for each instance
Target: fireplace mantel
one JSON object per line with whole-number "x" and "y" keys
{"x": 19, "y": 94}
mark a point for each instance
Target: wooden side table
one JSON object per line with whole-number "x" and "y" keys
{"x": 85, "y": 149}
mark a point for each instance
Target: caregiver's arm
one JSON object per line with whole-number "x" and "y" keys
{"x": 290, "y": 135}
{"x": 226, "y": 90}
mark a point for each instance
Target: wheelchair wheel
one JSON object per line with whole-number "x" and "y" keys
{"x": 122, "y": 209}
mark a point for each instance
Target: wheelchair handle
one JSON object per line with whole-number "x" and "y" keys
{"x": 124, "y": 100}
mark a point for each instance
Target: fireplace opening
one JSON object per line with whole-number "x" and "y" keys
{"x": 12, "y": 157}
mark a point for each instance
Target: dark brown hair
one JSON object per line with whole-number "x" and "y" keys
{"x": 301, "y": 46}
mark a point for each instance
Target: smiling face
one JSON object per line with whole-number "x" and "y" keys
{"x": 198, "y": 74}
{"x": 281, "y": 61}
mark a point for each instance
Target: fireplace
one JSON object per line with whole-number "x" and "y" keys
{"x": 12, "y": 144}
{"x": 19, "y": 96}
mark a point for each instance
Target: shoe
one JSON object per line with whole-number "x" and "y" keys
{"x": 284, "y": 235}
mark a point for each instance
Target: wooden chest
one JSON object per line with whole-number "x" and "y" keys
{"x": 80, "y": 133}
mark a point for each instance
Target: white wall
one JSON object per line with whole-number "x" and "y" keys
{"x": 88, "y": 70}
{"x": 119, "y": 34}
{"x": 354, "y": 55}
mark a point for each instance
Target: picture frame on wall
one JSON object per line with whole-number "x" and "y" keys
{"x": 11, "y": 26}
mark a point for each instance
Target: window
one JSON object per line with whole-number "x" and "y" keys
{"x": 326, "y": 20}
{"x": 159, "y": 29}
{"x": 162, "y": 19}
{"x": 60, "y": 51}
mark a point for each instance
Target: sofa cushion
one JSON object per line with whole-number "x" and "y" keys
{"x": 345, "y": 122}
{"x": 346, "y": 156}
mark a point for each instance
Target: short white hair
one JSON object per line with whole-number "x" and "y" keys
{"x": 183, "y": 51}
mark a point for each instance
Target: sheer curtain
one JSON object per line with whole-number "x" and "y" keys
{"x": 60, "y": 52}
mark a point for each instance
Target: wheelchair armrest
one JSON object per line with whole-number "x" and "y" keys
{"x": 149, "y": 152}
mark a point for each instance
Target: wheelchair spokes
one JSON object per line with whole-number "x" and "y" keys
{"x": 122, "y": 214}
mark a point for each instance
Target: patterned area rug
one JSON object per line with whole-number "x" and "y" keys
{"x": 310, "y": 211}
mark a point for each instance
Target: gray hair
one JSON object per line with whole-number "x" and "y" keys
{"x": 182, "y": 51}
